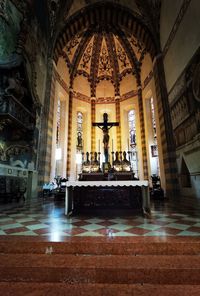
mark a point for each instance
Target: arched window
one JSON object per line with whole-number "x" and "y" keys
{"x": 79, "y": 131}
{"x": 153, "y": 121}
{"x": 132, "y": 141}
{"x": 132, "y": 128}
{"x": 58, "y": 124}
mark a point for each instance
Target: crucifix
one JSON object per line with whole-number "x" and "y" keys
{"x": 105, "y": 126}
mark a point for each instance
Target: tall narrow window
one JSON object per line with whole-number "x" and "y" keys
{"x": 154, "y": 147}
{"x": 58, "y": 124}
{"x": 79, "y": 144}
{"x": 132, "y": 141}
{"x": 153, "y": 121}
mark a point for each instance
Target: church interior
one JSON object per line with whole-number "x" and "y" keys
{"x": 99, "y": 147}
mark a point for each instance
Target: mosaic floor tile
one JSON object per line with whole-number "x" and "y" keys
{"x": 89, "y": 233}
{"x": 194, "y": 229}
{"x": 15, "y": 230}
{"x": 25, "y": 233}
{"x": 36, "y": 226}
{"x": 149, "y": 226}
{"x": 121, "y": 226}
{"x": 46, "y": 218}
{"x": 178, "y": 226}
{"x": 137, "y": 231}
{"x": 156, "y": 233}
{"x": 165, "y": 219}
{"x": 123, "y": 233}
{"x": 196, "y": 224}
{"x": 94, "y": 220}
{"x": 189, "y": 233}
{"x": 169, "y": 230}
{"x": 91, "y": 227}
{"x": 10, "y": 226}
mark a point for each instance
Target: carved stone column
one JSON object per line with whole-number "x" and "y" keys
{"x": 45, "y": 144}
{"x": 143, "y": 139}
{"x": 142, "y": 131}
{"x": 166, "y": 130}
{"x": 117, "y": 108}
{"x": 93, "y": 129}
{"x": 69, "y": 141}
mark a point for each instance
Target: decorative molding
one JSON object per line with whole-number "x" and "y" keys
{"x": 107, "y": 100}
{"x": 147, "y": 79}
{"x": 176, "y": 25}
{"x": 130, "y": 94}
{"x": 81, "y": 97}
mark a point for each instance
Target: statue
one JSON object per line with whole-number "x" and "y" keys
{"x": 106, "y": 138}
{"x": 105, "y": 126}
{"x": 79, "y": 140}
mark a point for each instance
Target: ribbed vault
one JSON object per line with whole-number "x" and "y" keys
{"x": 104, "y": 42}
{"x": 112, "y": 15}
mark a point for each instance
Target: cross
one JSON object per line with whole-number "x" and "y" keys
{"x": 105, "y": 126}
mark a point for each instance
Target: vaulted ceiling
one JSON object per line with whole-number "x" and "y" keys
{"x": 103, "y": 55}
{"x": 107, "y": 40}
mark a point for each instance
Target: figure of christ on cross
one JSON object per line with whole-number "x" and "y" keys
{"x": 105, "y": 126}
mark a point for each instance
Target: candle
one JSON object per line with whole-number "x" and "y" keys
{"x": 112, "y": 144}
{"x": 99, "y": 145}
{"x": 128, "y": 143}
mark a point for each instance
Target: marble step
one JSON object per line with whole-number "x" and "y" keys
{"x": 103, "y": 246}
{"x": 58, "y": 289}
{"x": 110, "y": 269}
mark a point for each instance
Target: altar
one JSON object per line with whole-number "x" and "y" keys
{"x": 71, "y": 185}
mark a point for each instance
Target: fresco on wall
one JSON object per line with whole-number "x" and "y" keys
{"x": 10, "y": 19}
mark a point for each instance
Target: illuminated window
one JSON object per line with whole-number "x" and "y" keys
{"x": 79, "y": 131}
{"x": 154, "y": 148}
{"x": 153, "y": 121}
{"x": 132, "y": 141}
{"x": 132, "y": 128}
{"x": 58, "y": 124}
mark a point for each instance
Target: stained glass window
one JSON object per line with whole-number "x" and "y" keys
{"x": 79, "y": 130}
{"x": 153, "y": 120}
{"x": 132, "y": 141}
{"x": 132, "y": 128}
{"x": 154, "y": 148}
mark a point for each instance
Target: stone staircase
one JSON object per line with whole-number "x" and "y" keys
{"x": 100, "y": 266}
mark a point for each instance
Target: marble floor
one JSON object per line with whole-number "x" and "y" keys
{"x": 45, "y": 217}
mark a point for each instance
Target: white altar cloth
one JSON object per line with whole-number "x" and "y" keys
{"x": 70, "y": 185}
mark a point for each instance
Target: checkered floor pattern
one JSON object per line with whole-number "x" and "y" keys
{"x": 46, "y": 218}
